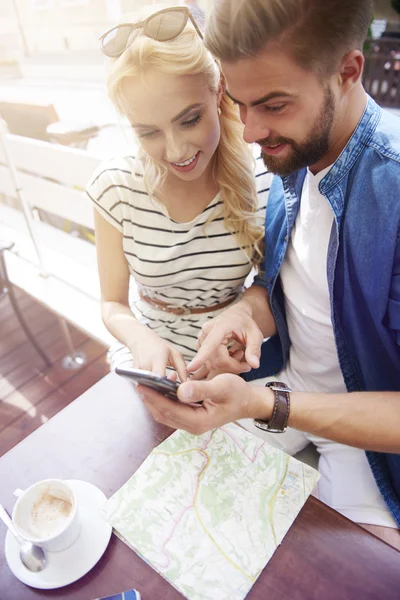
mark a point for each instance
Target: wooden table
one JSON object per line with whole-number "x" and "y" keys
{"x": 103, "y": 437}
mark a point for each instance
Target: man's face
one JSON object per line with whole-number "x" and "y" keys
{"x": 285, "y": 109}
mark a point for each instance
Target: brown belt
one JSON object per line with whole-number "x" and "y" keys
{"x": 181, "y": 310}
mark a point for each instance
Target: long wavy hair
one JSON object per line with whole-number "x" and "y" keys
{"x": 233, "y": 163}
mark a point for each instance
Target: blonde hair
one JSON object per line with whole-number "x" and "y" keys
{"x": 233, "y": 164}
{"x": 316, "y": 33}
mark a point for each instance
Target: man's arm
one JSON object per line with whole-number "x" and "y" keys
{"x": 367, "y": 420}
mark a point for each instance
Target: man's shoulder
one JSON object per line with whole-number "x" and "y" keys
{"x": 386, "y": 137}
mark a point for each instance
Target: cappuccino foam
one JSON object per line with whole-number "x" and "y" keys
{"x": 49, "y": 515}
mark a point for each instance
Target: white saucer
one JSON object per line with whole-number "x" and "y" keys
{"x": 73, "y": 563}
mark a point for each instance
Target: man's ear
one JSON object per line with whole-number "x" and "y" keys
{"x": 350, "y": 70}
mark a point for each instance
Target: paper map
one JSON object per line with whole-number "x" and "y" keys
{"x": 208, "y": 512}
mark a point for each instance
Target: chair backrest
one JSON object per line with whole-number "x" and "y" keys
{"x": 51, "y": 177}
{"x": 30, "y": 120}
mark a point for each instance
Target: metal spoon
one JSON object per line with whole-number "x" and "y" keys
{"x": 32, "y": 557}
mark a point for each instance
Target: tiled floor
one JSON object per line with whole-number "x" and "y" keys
{"x": 30, "y": 392}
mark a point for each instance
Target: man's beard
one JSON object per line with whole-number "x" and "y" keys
{"x": 311, "y": 150}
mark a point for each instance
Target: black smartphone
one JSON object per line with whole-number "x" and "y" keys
{"x": 149, "y": 379}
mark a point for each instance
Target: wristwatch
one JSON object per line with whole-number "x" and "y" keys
{"x": 280, "y": 413}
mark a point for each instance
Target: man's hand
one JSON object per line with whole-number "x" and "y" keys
{"x": 235, "y": 325}
{"x": 225, "y": 398}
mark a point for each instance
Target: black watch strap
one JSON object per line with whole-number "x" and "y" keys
{"x": 280, "y": 413}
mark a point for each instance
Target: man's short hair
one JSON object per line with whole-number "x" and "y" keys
{"x": 316, "y": 33}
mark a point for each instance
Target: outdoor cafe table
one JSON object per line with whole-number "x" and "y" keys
{"x": 104, "y": 436}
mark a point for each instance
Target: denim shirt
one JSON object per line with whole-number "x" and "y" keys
{"x": 363, "y": 269}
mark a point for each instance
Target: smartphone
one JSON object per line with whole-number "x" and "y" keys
{"x": 129, "y": 595}
{"x": 149, "y": 379}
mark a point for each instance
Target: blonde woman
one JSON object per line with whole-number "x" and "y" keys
{"x": 184, "y": 217}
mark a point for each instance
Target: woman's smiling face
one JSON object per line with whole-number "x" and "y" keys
{"x": 175, "y": 118}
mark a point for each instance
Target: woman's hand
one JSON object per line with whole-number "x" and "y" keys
{"x": 152, "y": 353}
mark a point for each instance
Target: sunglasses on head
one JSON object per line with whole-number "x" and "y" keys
{"x": 163, "y": 26}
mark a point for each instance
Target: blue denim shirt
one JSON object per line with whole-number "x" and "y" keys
{"x": 363, "y": 268}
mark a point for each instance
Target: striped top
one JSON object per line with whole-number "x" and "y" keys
{"x": 193, "y": 264}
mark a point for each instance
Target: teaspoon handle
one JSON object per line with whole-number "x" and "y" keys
{"x": 7, "y": 521}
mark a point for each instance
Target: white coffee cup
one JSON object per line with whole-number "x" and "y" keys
{"x": 47, "y": 515}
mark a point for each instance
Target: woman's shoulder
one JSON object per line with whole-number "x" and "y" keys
{"x": 117, "y": 186}
{"x": 121, "y": 172}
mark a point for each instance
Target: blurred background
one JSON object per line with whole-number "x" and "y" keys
{"x": 56, "y": 126}
{"x": 49, "y": 54}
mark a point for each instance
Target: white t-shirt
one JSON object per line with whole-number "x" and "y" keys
{"x": 346, "y": 482}
{"x": 313, "y": 362}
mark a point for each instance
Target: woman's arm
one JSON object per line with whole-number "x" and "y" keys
{"x": 114, "y": 282}
{"x": 149, "y": 351}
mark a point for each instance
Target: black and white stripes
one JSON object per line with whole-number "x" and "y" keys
{"x": 196, "y": 264}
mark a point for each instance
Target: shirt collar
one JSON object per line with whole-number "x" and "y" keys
{"x": 354, "y": 147}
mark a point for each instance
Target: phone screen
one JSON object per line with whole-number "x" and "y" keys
{"x": 149, "y": 379}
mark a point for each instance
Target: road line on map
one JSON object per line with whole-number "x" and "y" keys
{"x": 181, "y": 452}
{"x": 209, "y": 534}
{"x": 271, "y": 503}
{"x": 252, "y": 460}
